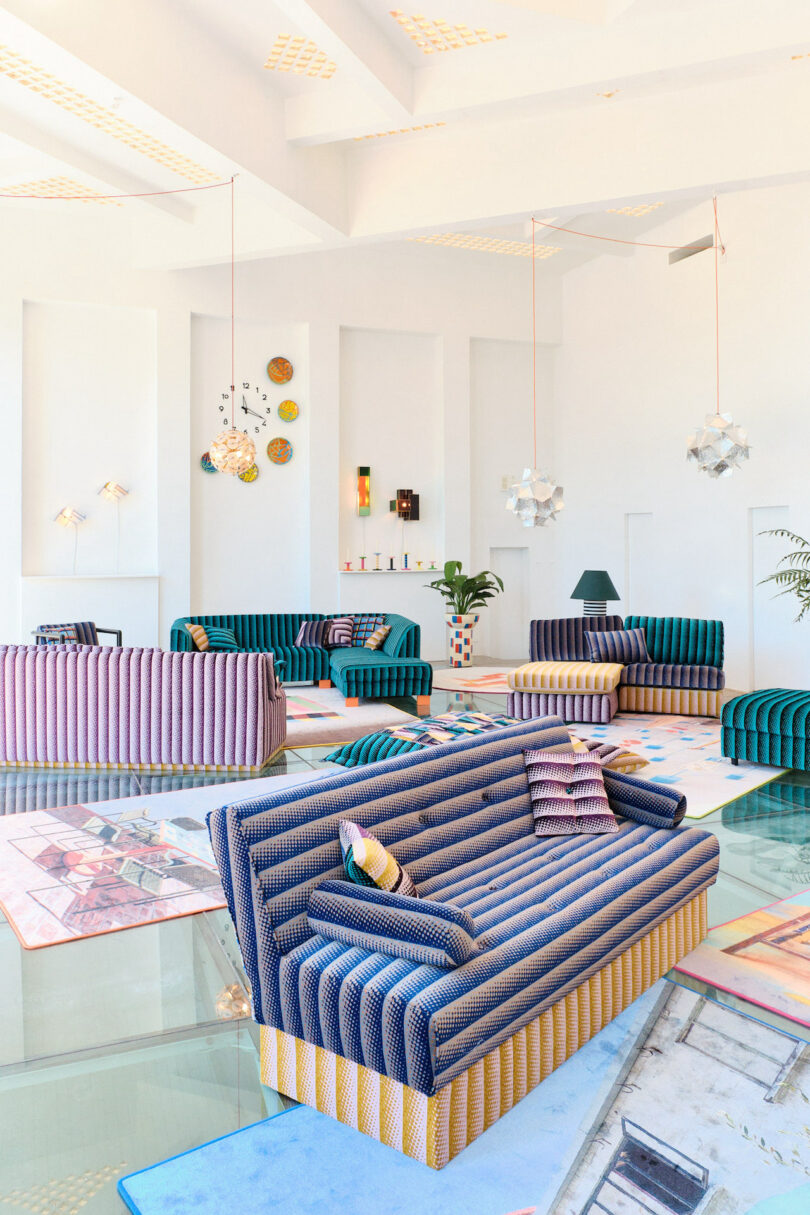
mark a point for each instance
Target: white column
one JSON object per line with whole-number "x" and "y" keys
{"x": 324, "y": 467}
{"x": 11, "y": 353}
{"x": 174, "y": 465}
{"x": 455, "y": 356}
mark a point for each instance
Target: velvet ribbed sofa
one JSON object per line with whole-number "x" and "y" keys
{"x": 771, "y": 726}
{"x": 394, "y": 670}
{"x": 567, "y": 931}
{"x": 684, "y": 674}
{"x": 96, "y": 706}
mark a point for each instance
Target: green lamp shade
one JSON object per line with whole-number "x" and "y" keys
{"x": 596, "y": 587}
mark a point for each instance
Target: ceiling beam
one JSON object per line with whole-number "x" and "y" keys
{"x": 344, "y": 30}
{"x": 118, "y": 180}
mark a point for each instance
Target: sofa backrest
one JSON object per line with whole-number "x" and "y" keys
{"x": 564, "y": 640}
{"x": 681, "y": 639}
{"x": 434, "y": 809}
{"x": 269, "y": 631}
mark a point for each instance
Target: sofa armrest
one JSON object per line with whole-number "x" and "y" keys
{"x": 418, "y": 930}
{"x": 643, "y": 801}
{"x": 404, "y": 639}
{"x": 180, "y": 637}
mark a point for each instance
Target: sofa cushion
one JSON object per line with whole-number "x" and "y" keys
{"x": 312, "y": 632}
{"x": 375, "y": 641}
{"x": 364, "y": 626}
{"x": 547, "y": 912}
{"x": 618, "y": 645}
{"x": 611, "y": 756}
{"x": 568, "y": 794}
{"x": 368, "y": 863}
{"x": 339, "y": 632}
{"x": 682, "y": 640}
{"x": 580, "y": 677}
{"x": 221, "y": 641}
{"x": 419, "y": 930}
{"x": 563, "y": 640}
{"x": 426, "y": 732}
{"x": 198, "y": 636}
{"x": 672, "y": 675}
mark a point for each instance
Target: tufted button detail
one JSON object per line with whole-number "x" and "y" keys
{"x": 569, "y": 789}
{"x": 485, "y": 795}
{"x": 422, "y": 818}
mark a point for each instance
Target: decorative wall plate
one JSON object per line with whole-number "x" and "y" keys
{"x": 279, "y": 450}
{"x": 280, "y": 370}
{"x": 250, "y": 474}
{"x": 205, "y": 463}
{"x": 288, "y": 411}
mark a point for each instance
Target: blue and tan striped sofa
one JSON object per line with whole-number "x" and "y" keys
{"x": 684, "y": 674}
{"x": 567, "y": 931}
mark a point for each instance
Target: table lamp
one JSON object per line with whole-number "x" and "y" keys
{"x": 595, "y": 587}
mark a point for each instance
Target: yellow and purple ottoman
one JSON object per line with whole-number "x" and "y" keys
{"x": 574, "y": 691}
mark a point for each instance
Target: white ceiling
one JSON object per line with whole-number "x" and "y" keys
{"x": 582, "y": 107}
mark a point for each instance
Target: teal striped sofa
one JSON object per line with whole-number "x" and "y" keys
{"x": 557, "y": 934}
{"x": 771, "y": 726}
{"x": 394, "y": 670}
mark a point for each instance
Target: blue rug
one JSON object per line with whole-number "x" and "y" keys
{"x": 301, "y": 1162}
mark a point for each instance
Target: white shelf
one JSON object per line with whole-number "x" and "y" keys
{"x": 84, "y": 577}
{"x": 349, "y": 572}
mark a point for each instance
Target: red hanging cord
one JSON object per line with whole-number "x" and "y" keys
{"x": 233, "y": 343}
{"x": 614, "y": 240}
{"x": 534, "y": 351}
{"x": 216, "y": 185}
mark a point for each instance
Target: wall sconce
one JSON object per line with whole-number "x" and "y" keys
{"x": 70, "y": 517}
{"x": 406, "y": 504}
{"x": 113, "y": 492}
{"x": 363, "y": 490}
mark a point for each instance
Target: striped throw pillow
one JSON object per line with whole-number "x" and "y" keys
{"x": 364, "y": 626}
{"x": 198, "y": 636}
{"x": 377, "y": 638}
{"x": 368, "y": 863}
{"x": 312, "y": 633}
{"x": 610, "y": 756}
{"x": 58, "y": 634}
{"x": 339, "y": 632}
{"x": 568, "y": 794}
{"x": 618, "y": 645}
{"x": 222, "y": 641}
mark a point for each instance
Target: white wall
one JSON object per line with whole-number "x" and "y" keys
{"x": 635, "y": 375}
{"x": 215, "y": 543}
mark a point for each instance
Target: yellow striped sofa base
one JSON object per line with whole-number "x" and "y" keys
{"x": 81, "y": 766}
{"x": 580, "y": 677}
{"x": 435, "y": 1129}
{"x": 691, "y": 702}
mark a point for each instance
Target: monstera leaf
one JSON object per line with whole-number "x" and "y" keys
{"x": 463, "y": 593}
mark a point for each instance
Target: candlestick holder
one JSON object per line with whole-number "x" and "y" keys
{"x": 377, "y": 560}
{"x": 362, "y": 563}
{"x": 404, "y": 561}
{"x": 348, "y": 565}
{"x": 390, "y": 563}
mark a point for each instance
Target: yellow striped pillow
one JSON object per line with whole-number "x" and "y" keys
{"x": 198, "y": 636}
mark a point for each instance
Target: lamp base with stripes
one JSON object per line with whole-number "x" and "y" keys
{"x": 594, "y": 607}
{"x": 433, "y": 1129}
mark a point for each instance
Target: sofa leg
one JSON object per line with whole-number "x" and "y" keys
{"x": 352, "y": 702}
{"x": 735, "y": 762}
{"x": 422, "y": 706}
{"x": 324, "y": 683}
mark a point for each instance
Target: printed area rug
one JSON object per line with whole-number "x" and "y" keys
{"x": 80, "y": 871}
{"x": 319, "y": 716}
{"x": 678, "y": 1105}
{"x": 763, "y": 957}
{"x": 683, "y": 752}
{"x": 483, "y": 680}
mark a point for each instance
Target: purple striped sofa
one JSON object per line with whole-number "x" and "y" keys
{"x": 97, "y": 706}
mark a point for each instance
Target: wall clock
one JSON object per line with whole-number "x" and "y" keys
{"x": 280, "y": 370}
{"x": 288, "y": 411}
{"x": 279, "y": 450}
{"x": 251, "y": 412}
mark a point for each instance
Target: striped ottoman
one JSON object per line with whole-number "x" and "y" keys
{"x": 768, "y": 727}
{"x": 574, "y": 691}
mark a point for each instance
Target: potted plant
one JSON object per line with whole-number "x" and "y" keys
{"x": 462, "y": 594}
{"x": 795, "y": 579}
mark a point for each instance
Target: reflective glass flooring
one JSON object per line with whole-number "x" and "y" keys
{"x": 114, "y": 1054}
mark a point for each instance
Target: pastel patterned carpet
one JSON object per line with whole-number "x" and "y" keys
{"x": 80, "y": 871}
{"x": 763, "y": 957}
{"x": 319, "y": 716}
{"x": 678, "y": 1096}
{"x": 683, "y": 752}
{"x": 490, "y": 681}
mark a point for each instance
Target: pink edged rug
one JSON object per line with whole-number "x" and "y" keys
{"x": 762, "y": 957}
{"x": 79, "y": 871}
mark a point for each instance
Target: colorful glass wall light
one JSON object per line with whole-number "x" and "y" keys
{"x": 363, "y": 490}
{"x": 406, "y": 504}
